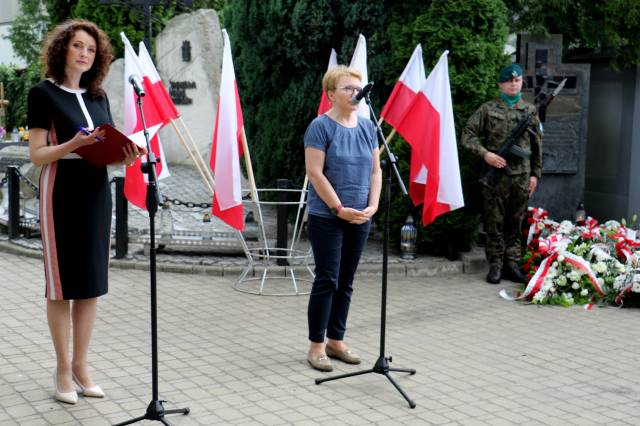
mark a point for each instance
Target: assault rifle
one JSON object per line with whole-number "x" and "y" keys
{"x": 509, "y": 146}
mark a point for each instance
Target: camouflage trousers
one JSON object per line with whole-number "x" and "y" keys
{"x": 504, "y": 208}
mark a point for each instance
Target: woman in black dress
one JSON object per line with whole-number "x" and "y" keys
{"x": 75, "y": 197}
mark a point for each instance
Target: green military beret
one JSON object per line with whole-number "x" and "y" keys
{"x": 509, "y": 72}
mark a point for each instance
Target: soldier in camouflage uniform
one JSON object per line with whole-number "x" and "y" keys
{"x": 505, "y": 205}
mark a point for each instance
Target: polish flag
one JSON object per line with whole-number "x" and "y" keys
{"x": 325, "y": 105}
{"x": 158, "y": 95}
{"x": 359, "y": 62}
{"x": 227, "y": 146}
{"x": 135, "y": 182}
{"x": 428, "y": 127}
{"x": 155, "y": 88}
{"x": 411, "y": 81}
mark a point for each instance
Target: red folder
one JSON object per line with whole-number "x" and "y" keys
{"x": 107, "y": 151}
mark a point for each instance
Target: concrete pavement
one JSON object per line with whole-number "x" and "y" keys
{"x": 235, "y": 358}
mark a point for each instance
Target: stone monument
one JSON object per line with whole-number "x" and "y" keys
{"x": 189, "y": 60}
{"x": 564, "y": 143}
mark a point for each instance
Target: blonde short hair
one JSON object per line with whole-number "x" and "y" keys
{"x": 331, "y": 77}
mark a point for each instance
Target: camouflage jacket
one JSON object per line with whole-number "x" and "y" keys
{"x": 491, "y": 124}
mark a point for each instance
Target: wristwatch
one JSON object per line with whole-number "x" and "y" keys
{"x": 335, "y": 210}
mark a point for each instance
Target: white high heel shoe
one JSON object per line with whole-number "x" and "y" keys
{"x": 94, "y": 391}
{"x": 67, "y": 397}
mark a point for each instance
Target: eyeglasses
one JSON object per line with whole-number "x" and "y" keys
{"x": 353, "y": 90}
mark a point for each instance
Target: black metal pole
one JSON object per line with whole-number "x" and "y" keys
{"x": 122, "y": 220}
{"x": 385, "y": 257}
{"x": 13, "y": 185}
{"x": 155, "y": 410}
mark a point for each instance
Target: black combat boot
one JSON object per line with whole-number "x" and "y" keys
{"x": 513, "y": 273}
{"x": 493, "y": 277}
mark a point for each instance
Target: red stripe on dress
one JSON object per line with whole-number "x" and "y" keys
{"x": 47, "y": 229}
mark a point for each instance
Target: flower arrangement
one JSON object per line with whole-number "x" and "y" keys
{"x": 3, "y": 132}
{"x": 584, "y": 263}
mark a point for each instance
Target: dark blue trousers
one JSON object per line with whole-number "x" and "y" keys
{"x": 337, "y": 246}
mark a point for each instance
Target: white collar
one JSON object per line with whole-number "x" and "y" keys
{"x": 66, "y": 89}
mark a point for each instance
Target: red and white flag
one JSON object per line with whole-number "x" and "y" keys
{"x": 359, "y": 62}
{"x": 428, "y": 127}
{"x": 411, "y": 81}
{"x": 155, "y": 88}
{"x": 227, "y": 146}
{"x": 325, "y": 105}
{"x": 162, "y": 103}
{"x": 135, "y": 182}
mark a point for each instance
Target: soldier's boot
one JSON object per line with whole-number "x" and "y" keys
{"x": 494, "y": 275}
{"x": 513, "y": 273}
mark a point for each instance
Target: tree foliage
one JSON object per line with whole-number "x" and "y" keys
{"x": 17, "y": 83}
{"x": 281, "y": 51}
{"x": 124, "y": 16}
{"x": 474, "y": 33}
{"x": 28, "y": 30}
{"x": 609, "y": 28}
{"x": 37, "y": 17}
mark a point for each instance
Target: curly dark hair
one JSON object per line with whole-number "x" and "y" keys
{"x": 54, "y": 54}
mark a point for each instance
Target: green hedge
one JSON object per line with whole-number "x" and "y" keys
{"x": 17, "y": 83}
{"x": 281, "y": 51}
{"x": 474, "y": 32}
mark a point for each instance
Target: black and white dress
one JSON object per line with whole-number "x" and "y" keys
{"x": 75, "y": 197}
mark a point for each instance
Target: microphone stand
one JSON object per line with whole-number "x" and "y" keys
{"x": 382, "y": 364}
{"x": 155, "y": 410}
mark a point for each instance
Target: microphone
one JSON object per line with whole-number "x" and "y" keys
{"x": 134, "y": 80}
{"x": 355, "y": 100}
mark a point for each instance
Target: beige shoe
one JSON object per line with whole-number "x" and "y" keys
{"x": 66, "y": 397}
{"x": 94, "y": 391}
{"x": 320, "y": 362}
{"x": 345, "y": 355}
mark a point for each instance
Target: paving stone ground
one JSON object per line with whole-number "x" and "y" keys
{"x": 236, "y": 358}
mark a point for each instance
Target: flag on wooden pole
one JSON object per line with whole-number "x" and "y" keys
{"x": 428, "y": 126}
{"x": 227, "y": 146}
{"x": 155, "y": 87}
{"x": 135, "y": 183}
{"x": 325, "y": 105}
{"x": 409, "y": 84}
{"x": 359, "y": 62}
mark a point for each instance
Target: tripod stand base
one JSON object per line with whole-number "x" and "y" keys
{"x": 381, "y": 367}
{"x": 155, "y": 411}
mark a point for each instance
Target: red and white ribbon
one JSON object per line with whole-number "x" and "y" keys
{"x": 535, "y": 283}
{"x": 537, "y": 215}
{"x": 593, "y": 231}
{"x": 582, "y": 265}
{"x": 553, "y": 243}
{"x": 629, "y": 256}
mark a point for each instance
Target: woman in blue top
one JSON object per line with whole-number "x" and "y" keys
{"x": 343, "y": 164}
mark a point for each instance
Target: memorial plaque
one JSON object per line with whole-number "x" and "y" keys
{"x": 561, "y": 188}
